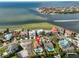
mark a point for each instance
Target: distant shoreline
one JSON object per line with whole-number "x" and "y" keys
{"x": 47, "y": 10}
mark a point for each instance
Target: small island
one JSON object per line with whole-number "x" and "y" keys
{"x": 58, "y": 10}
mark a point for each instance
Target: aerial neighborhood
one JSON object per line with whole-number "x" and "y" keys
{"x": 56, "y": 42}
{"x": 39, "y": 30}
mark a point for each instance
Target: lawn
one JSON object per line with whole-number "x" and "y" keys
{"x": 2, "y": 50}
{"x": 42, "y": 25}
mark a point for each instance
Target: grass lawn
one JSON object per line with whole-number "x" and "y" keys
{"x": 2, "y": 50}
{"x": 42, "y": 25}
{"x": 77, "y": 50}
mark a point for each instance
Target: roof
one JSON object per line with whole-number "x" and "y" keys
{"x": 13, "y": 48}
{"x": 8, "y": 36}
{"x": 23, "y": 54}
{"x": 49, "y": 46}
{"x": 26, "y": 44}
{"x": 64, "y": 43}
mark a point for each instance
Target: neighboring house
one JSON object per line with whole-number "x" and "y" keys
{"x": 66, "y": 46}
{"x": 57, "y": 56}
{"x": 70, "y": 50}
{"x": 71, "y": 53}
{"x": 23, "y": 54}
{"x": 72, "y": 56}
{"x": 8, "y": 36}
{"x": 13, "y": 48}
{"x": 63, "y": 43}
{"x": 77, "y": 37}
{"x": 26, "y": 45}
{"x": 76, "y": 43}
{"x": 61, "y": 30}
{"x": 49, "y": 46}
{"x": 68, "y": 33}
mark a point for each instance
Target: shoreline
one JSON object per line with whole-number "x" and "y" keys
{"x": 51, "y": 11}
